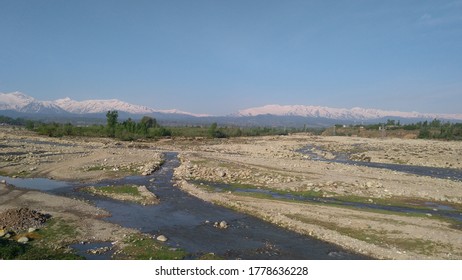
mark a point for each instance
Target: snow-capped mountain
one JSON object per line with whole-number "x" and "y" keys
{"x": 338, "y": 113}
{"x": 99, "y": 106}
{"x": 19, "y": 102}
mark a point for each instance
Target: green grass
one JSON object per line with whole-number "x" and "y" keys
{"x": 56, "y": 230}
{"x": 210, "y": 256}
{"x": 144, "y": 247}
{"x": 44, "y": 244}
{"x": 122, "y": 189}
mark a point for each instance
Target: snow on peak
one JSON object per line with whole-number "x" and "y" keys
{"x": 20, "y": 102}
{"x": 355, "y": 113}
{"x": 100, "y": 106}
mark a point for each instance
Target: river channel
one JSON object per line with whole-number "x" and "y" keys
{"x": 188, "y": 221}
{"x": 443, "y": 173}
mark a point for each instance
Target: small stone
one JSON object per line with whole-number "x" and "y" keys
{"x": 23, "y": 240}
{"x": 162, "y": 238}
{"x": 3, "y": 181}
{"x": 2, "y": 232}
{"x": 223, "y": 225}
{"x": 32, "y": 229}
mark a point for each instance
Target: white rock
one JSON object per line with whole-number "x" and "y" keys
{"x": 162, "y": 238}
{"x": 23, "y": 240}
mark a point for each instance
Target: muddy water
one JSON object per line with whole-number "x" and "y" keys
{"x": 188, "y": 222}
{"x": 443, "y": 173}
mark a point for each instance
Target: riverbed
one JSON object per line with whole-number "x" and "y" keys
{"x": 188, "y": 222}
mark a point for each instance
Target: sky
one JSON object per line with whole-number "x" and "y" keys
{"x": 217, "y": 56}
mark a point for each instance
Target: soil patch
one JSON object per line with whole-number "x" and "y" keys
{"x": 21, "y": 219}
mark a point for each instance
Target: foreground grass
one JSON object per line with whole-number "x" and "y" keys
{"x": 144, "y": 247}
{"x": 45, "y": 243}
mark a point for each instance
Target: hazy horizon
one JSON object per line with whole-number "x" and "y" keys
{"x": 217, "y": 57}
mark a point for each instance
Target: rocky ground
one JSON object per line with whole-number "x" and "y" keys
{"x": 25, "y": 154}
{"x": 267, "y": 163}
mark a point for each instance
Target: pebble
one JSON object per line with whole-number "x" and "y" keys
{"x": 162, "y": 238}
{"x": 23, "y": 240}
{"x": 31, "y": 229}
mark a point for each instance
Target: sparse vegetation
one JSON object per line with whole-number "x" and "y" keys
{"x": 45, "y": 244}
{"x": 133, "y": 193}
{"x": 435, "y": 129}
{"x": 144, "y": 247}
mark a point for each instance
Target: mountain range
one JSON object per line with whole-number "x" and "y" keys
{"x": 357, "y": 113}
{"x": 17, "y": 103}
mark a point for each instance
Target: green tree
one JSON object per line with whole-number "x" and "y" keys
{"x": 112, "y": 118}
{"x": 213, "y": 130}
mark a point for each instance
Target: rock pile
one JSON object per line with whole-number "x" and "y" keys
{"x": 221, "y": 225}
{"x": 22, "y": 219}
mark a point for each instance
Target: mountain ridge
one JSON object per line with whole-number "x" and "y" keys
{"x": 20, "y": 102}
{"x": 356, "y": 113}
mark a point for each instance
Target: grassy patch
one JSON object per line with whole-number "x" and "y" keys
{"x": 44, "y": 244}
{"x": 143, "y": 247}
{"x": 210, "y": 256}
{"x": 131, "y": 193}
{"x": 95, "y": 168}
{"x": 123, "y": 189}
{"x": 55, "y": 231}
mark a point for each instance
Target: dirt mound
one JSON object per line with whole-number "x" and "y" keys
{"x": 22, "y": 219}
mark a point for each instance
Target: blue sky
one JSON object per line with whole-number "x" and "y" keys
{"x": 219, "y": 56}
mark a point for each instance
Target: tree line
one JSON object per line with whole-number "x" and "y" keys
{"x": 435, "y": 129}
{"x": 145, "y": 128}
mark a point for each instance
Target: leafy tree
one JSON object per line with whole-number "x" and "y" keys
{"x": 112, "y": 117}
{"x": 148, "y": 122}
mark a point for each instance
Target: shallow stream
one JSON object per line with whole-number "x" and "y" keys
{"x": 188, "y": 221}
